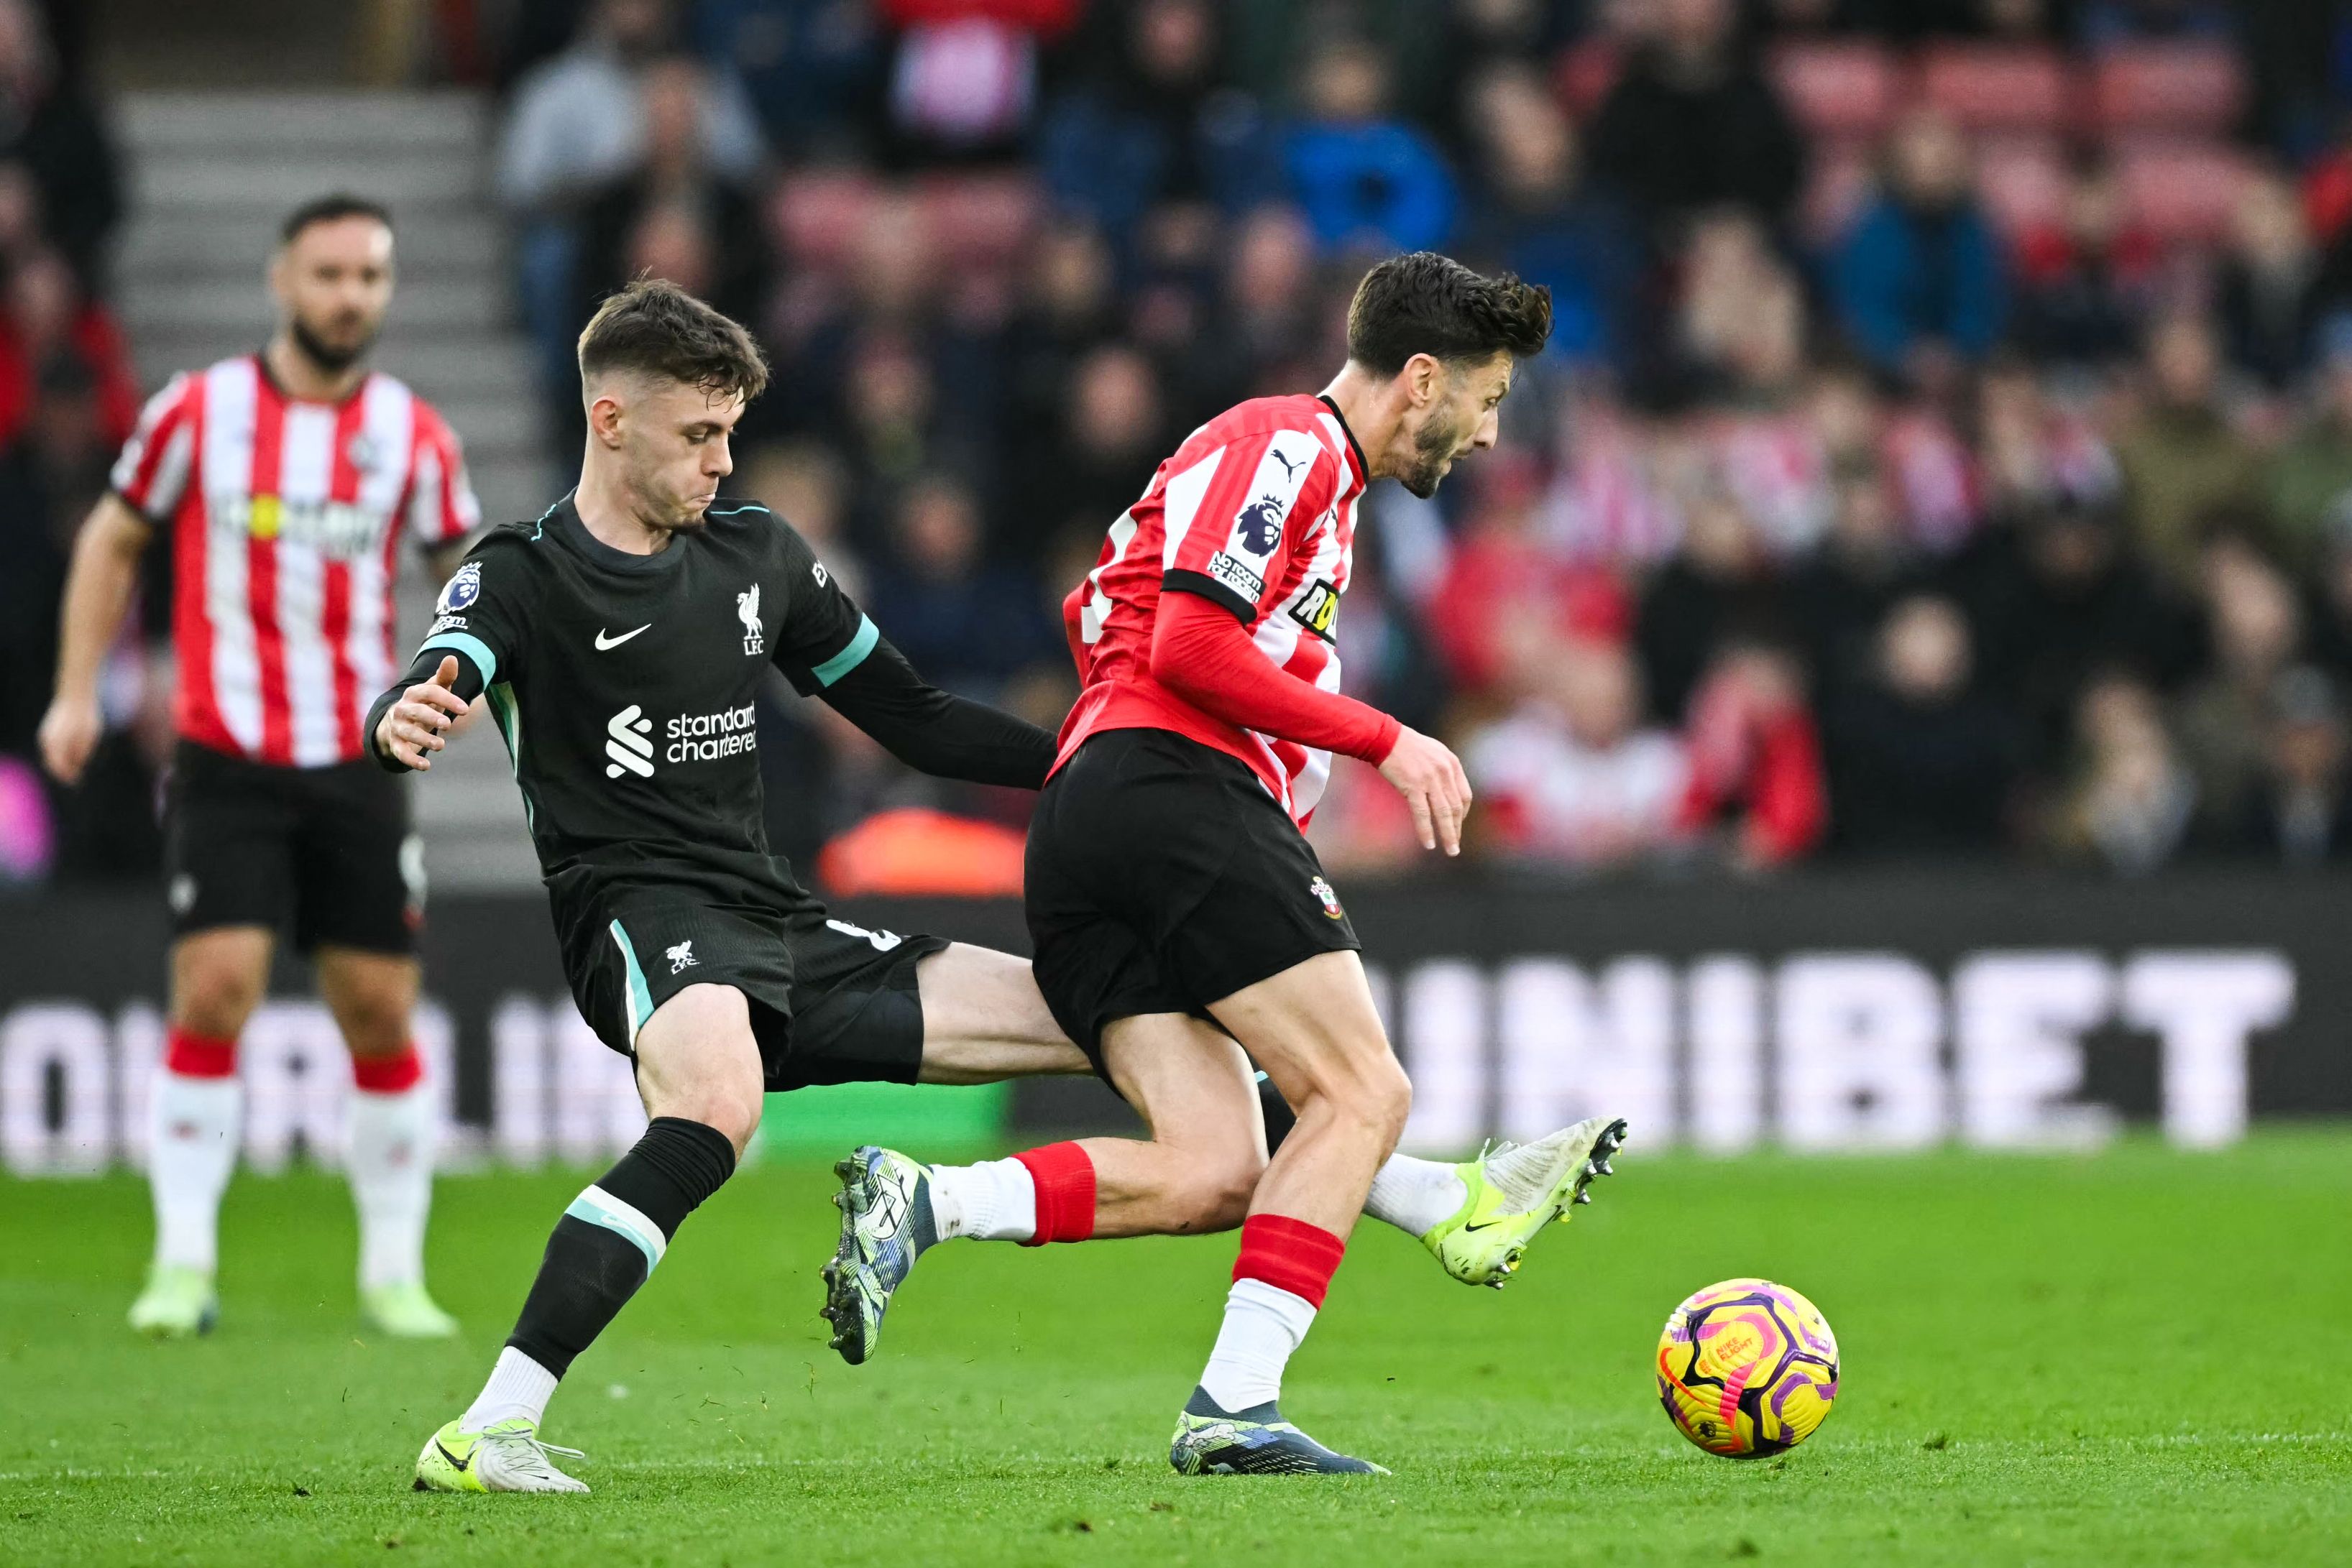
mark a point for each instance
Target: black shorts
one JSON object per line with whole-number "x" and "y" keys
{"x": 326, "y": 853}
{"x": 1162, "y": 877}
{"x": 830, "y": 1001}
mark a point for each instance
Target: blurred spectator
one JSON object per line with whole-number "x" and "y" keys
{"x": 48, "y": 128}
{"x": 2311, "y": 475}
{"x": 2256, "y": 630}
{"x": 1265, "y": 337}
{"x": 2103, "y": 24}
{"x": 803, "y": 483}
{"x": 2270, "y": 283}
{"x": 964, "y": 75}
{"x": 2300, "y": 815}
{"x": 1741, "y": 326}
{"x": 2030, "y": 452}
{"x": 47, "y": 321}
{"x": 1506, "y": 594}
{"x": 1755, "y": 755}
{"x": 1113, "y": 432}
{"x": 1365, "y": 179}
{"x": 1535, "y": 215}
{"x": 576, "y": 124}
{"x": 1569, "y": 777}
{"x": 1918, "y": 276}
{"x": 2129, "y": 801}
{"x": 1919, "y": 762}
{"x": 969, "y": 626}
{"x": 2181, "y": 458}
{"x": 1152, "y": 123}
{"x": 1719, "y": 585}
{"x": 1840, "y": 596}
{"x": 1694, "y": 122}
{"x": 810, "y": 69}
{"x": 673, "y": 215}
{"x": 2085, "y": 282}
{"x": 2061, "y": 596}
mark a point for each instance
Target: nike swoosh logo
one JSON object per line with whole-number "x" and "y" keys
{"x": 603, "y": 641}
{"x": 1467, "y": 1228}
{"x": 461, "y": 1466}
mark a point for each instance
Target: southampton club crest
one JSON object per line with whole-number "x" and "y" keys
{"x": 1330, "y": 899}
{"x": 747, "y": 607}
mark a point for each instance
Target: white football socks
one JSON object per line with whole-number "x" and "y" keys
{"x": 519, "y": 1386}
{"x": 389, "y": 1156}
{"x": 995, "y": 1200}
{"x": 1263, "y": 1325}
{"x": 1415, "y": 1196}
{"x": 190, "y": 1153}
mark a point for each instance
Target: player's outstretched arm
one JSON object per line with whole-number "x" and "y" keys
{"x": 98, "y": 592}
{"x": 1202, "y": 652}
{"x": 937, "y": 732}
{"x": 408, "y": 723}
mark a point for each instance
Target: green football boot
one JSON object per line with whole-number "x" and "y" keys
{"x": 1517, "y": 1189}
{"x": 405, "y": 1312}
{"x": 178, "y": 1301}
{"x": 505, "y": 1456}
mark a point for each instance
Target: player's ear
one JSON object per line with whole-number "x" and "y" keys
{"x": 1425, "y": 380}
{"x": 604, "y": 414}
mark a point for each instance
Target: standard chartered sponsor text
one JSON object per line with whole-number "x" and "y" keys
{"x": 707, "y": 736}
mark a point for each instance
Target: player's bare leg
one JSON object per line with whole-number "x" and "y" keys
{"x": 699, "y": 1074}
{"x": 984, "y": 1021}
{"x": 391, "y": 1130}
{"x": 196, "y": 1110}
{"x": 1314, "y": 1028}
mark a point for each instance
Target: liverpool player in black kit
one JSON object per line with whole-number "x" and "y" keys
{"x": 620, "y": 640}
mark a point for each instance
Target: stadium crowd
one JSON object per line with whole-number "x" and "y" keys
{"x": 1945, "y": 446}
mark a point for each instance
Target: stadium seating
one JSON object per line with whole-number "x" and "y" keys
{"x": 2021, "y": 180}
{"x": 1995, "y": 87}
{"x": 2183, "y": 88}
{"x": 1840, "y": 90}
{"x": 2182, "y": 190}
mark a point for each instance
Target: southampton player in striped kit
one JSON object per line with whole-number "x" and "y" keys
{"x": 1179, "y": 915}
{"x": 285, "y": 483}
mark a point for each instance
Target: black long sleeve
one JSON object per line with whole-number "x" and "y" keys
{"x": 937, "y": 732}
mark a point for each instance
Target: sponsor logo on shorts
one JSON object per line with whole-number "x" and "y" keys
{"x": 882, "y": 941}
{"x": 1317, "y": 609}
{"x": 1322, "y": 890}
{"x": 1236, "y": 575}
{"x": 681, "y": 957}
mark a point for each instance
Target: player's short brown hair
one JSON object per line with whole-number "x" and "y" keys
{"x": 1425, "y": 303}
{"x": 655, "y": 328}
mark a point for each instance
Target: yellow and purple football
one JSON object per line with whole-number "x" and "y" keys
{"x": 1747, "y": 1368}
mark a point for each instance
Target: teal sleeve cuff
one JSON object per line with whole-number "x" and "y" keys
{"x": 473, "y": 648}
{"x": 849, "y": 658}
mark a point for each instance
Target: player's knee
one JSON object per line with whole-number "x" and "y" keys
{"x": 1218, "y": 1194}
{"x": 215, "y": 1000}
{"x": 733, "y": 1115}
{"x": 375, "y": 1023}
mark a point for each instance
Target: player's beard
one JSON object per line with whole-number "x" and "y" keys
{"x": 329, "y": 357}
{"x": 1434, "y": 446}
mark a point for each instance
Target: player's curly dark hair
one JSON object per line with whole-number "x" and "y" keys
{"x": 1425, "y": 303}
{"x": 654, "y": 326}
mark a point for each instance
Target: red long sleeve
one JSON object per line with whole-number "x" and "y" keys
{"x": 1203, "y": 655}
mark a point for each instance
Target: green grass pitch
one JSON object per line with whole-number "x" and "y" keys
{"x": 2124, "y": 1358}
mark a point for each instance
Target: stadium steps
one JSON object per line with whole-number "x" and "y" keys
{"x": 213, "y": 174}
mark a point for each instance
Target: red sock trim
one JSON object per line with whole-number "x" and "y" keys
{"x": 1065, "y": 1192}
{"x": 193, "y": 1055}
{"x": 388, "y": 1074}
{"x": 1290, "y": 1255}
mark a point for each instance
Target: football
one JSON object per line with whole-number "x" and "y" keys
{"x": 1747, "y": 1368}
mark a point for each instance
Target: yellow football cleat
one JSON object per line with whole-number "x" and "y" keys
{"x": 178, "y": 1301}
{"x": 405, "y": 1312}
{"x": 1517, "y": 1189}
{"x": 505, "y": 1456}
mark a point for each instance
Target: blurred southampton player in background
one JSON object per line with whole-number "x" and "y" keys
{"x": 284, "y": 482}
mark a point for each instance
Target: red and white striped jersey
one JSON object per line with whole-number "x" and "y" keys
{"x": 285, "y": 517}
{"x": 1257, "y": 511}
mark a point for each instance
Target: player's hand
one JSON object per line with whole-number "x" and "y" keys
{"x": 1431, "y": 779}
{"x": 411, "y": 729}
{"x": 69, "y": 733}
